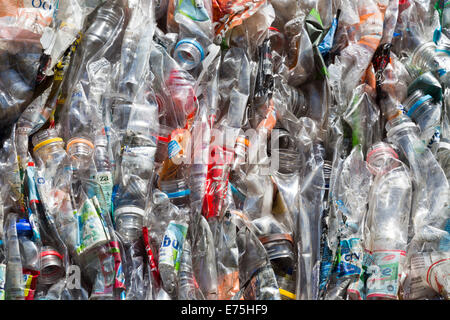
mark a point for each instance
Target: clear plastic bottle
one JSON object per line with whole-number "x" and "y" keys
{"x": 82, "y": 120}
{"x": 181, "y": 89}
{"x": 387, "y": 222}
{"x": 187, "y": 287}
{"x": 29, "y": 250}
{"x": 51, "y": 266}
{"x": 429, "y": 210}
{"x": 170, "y": 255}
{"x": 48, "y": 147}
{"x": 14, "y": 285}
{"x": 129, "y": 221}
{"x": 426, "y": 114}
{"x": 195, "y": 33}
{"x": 280, "y": 250}
{"x": 426, "y": 57}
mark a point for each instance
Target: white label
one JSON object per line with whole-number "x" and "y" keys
{"x": 172, "y": 244}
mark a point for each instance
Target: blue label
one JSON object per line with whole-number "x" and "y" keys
{"x": 325, "y": 267}
{"x": 444, "y": 244}
{"x": 173, "y": 148}
{"x": 349, "y": 258}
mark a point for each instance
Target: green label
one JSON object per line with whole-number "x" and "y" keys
{"x": 90, "y": 227}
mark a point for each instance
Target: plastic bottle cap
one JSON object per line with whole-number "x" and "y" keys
{"x": 189, "y": 53}
{"x": 23, "y": 226}
{"x": 45, "y": 142}
{"x": 418, "y": 103}
{"x": 385, "y": 149}
{"x": 79, "y": 140}
{"x": 129, "y": 209}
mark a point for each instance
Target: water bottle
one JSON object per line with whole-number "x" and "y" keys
{"x": 48, "y": 148}
{"x": 429, "y": 210}
{"x": 428, "y": 57}
{"x": 187, "y": 286}
{"x": 280, "y": 250}
{"x": 28, "y": 248}
{"x": 170, "y": 254}
{"x": 443, "y": 156}
{"x": 103, "y": 28}
{"x": 180, "y": 84}
{"x": 426, "y": 114}
{"x": 195, "y": 33}
{"x": 387, "y": 222}
{"x": 14, "y": 285}
{"x": 81, "y": 120}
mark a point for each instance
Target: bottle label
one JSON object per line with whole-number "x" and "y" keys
{"x": 418, "y": 288}
{"x": 2, "y": 281}
{"x": 32, "y": 15}
{"x": 172, "y": 244}
{"x": 104, "y": 179}
{"x": 325, "y": 266}
{"x": 173, "y": 148}
{"x": 33, "y": 197}
{"x": 444, "y": 244}
{"x": 357, "y": 289}
{"x": 384, "y": 274}
{"x": 349, "y": 258}
{"x": 90, "y": 227}
{"x": 193, "y": 10}
{"x": 30, "y": 281}
{"x": 438, "y": 271}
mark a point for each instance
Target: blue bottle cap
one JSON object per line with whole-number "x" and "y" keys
{"x": 24, "y": 227}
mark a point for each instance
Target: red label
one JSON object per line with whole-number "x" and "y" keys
{"x": 217, "y": 181}
{"x": 151, "y": 257}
